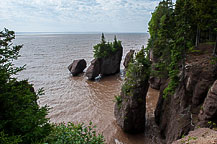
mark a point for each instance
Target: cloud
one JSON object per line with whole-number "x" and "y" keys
{"x": 76, "y": 15}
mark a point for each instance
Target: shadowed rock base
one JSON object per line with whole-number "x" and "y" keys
{"x": 130, "y": 112}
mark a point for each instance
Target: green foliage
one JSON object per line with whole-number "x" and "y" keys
{"x": 160, "y": 28}
{"x": 212, "y": 125}
{"x": 213, "y": 60}
{"x": 182, "y": 43}
{"x": 205, "y": 13}
{"x": 71, "y": 133}
{"x": 5, "y": 139}
{"x": 21, "y": 116}
{"x": 172, "y": 35}
{"x": 137, "y": 71}
{"x": 118, "y": 100}
{"x": 188, "y": 140}
{"x": 104, "y": 49}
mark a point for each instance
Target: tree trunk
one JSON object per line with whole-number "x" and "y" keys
{"x": 210, "y": 35}
{"x": 197, "y": 36}
{"x": 214, "y": 50}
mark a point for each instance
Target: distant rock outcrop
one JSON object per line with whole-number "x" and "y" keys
{"x": 108, "y": 65}
{"x": 128, "y": 58}
{"x": 94, "y": 69}
{"x": 77, "y": 67}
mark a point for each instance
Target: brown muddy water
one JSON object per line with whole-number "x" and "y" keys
{"x": 75, "y": 99}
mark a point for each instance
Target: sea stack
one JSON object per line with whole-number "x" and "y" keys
{"x": 130, "y": 107}
{"x": 107, "y": 59}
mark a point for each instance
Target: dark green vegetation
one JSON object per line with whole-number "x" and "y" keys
{"x": 176, "y": 30}
{"x": 21, "y": 118}
{"x": 74, "y": 134}
{"x": 105, "y": 49}
{"x": 137, "y": 72}
{"x": 118, "y": 100}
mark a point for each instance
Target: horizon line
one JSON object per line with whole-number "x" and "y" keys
{"x": 88, "y": 32}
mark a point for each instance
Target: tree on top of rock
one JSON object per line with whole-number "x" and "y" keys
{"x": 105, "y": 49}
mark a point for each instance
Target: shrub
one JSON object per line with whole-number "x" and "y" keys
{"x": 118, "y": 100}
{"x": 137, "y": 72}
{"x": 5, "y": 139}
{"x": 74, "y": 134}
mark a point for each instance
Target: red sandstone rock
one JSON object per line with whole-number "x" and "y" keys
{"x": 77, "y": 67}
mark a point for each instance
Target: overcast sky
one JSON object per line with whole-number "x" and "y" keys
{"x": 76, "y": 15}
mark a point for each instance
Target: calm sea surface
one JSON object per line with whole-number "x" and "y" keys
{"x": 76, "y": 99}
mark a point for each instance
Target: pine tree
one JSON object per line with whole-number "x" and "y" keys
{"x": 161, "y": 29}
{"x": 20, "y": 115}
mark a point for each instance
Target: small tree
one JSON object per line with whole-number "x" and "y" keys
{"x": 137, "y": 72}
{"x": 104, "y": 49}
{"x": 20, "y": 115}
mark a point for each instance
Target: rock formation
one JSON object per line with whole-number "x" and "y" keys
{"x": 155, "y": 82}
{"x": 128, "y": 58}
{"x": 105, "y": 66}
{"x": 111, "y": 64}
{"x": 94, "y": 69}
{"x": 130, "y": 112}
{"x": 177, "y": 114}
{"x": 208, "y": 112}
{"x": 77, "y": 67}
{"x": 199, "y": 136}
{"x": 130, "y": 108}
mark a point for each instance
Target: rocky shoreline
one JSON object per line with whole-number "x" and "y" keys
{"x": 191, "y": 107}
{"x": 194, "y": 103}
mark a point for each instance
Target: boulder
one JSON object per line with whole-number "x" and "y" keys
{"x": 130, "y": 110}
{"x": 128, "y": 58}
{"x": 94, "y": 69}
{"x": 77, "y": 67}
{"x": 208, "y": 112}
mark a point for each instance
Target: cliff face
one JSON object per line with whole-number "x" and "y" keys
{"x": 177, "y": 114}
{"x": 130, "y": 112}
{"x": 208, "y": 112}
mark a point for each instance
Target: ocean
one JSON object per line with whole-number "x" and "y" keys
{"x": 75, "y": 99}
